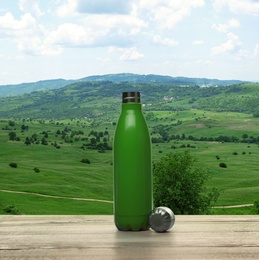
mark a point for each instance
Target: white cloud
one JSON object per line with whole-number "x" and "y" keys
{"x": 93, "y": 31}
{"x": 164, "y": 41}
{"x": 73, "y": 7}
{"x": 30, "y": 6}
{"x": 169, "y": 13}
{"x": 98, "y": 30}
{"x": 9, "y": 26}
{"x": 198, "y": 42}
{"x": 131, "y": 54}
{"x": 119, "y": 24}
{"x": 102, "y": 23}
{"x": 36, "y": 47}
{"x": 67, "y": 9}
{"x": 232, "y": 23}
{"x": 71, "y": 35}
{"x": 238, "y": 6}
{"x": 232, "y": 45}
{"x": 104, "y": 6}
{"x": 27, "y": 34}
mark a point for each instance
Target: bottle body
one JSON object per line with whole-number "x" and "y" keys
{"x": 133, "y": 198}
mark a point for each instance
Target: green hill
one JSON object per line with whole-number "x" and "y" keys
{"x": 72, "y": 158}
{"x": 13, "y": 90}
{"x": 92, "y": 99}
{"x": 136, "y": 78}
{"x": 61, "y": 141}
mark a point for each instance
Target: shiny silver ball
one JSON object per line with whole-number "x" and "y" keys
{"x": 161, "y": 219}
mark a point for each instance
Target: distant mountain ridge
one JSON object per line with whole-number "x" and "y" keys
{"x": 23, "y": 88}
{"x": 94, "y": 99}
{"x": 13, "y": 90}
{"x": 137, "y": 78}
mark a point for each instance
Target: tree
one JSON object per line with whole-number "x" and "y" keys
{"x": 12, "y": 136}
{"x": 11, "y": 123}
{"x": 44, "y": 141}
{"x": 93, "y": 141}
{"x": 256, "y": 114}
{"x": 24, "y": 127}
{"x": 27, "y": 141}
{"x": 244, "y": 136}
{"x": 181, "y": 186}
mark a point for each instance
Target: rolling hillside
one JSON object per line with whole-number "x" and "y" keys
{"x": 102, "y": 99}
{"x": 48, "y": 136}
{"x": 13, "y": 90}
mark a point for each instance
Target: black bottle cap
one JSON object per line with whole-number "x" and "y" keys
{"x": 131, "y": 97}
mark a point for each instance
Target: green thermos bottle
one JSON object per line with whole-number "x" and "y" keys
{"x": 133, "y": 197}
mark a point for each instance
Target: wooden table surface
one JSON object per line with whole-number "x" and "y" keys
{"x": 95, "y": 237}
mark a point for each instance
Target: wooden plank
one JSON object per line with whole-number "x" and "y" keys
{"x": 95, "y": 237}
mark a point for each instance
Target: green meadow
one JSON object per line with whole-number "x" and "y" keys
{"x": 55, "y": 168}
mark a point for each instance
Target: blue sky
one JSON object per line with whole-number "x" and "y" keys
{"x": 71, "y": 39}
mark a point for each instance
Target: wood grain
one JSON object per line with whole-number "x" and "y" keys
{"x": 95, "y": 237}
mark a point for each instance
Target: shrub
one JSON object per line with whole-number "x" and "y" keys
{"x": 87, "y": 161}
{"x": 12, "y": 136}
{"x": 44, "y": 141}
{"x": 256, "y": 205}
{"x": 178, "y": 183}
{"x": 256, "y": 114}
{"x": 243, "y": 152}
{"x": 13, "y": 165}
{"x": 11, "y": 210}
{"x": 217, "y": 157}
{"x": 36, "y": 169}
{"x": 222, "y": 165}
{"x": 235, "y": 153}
{"x": 11, "y": 123}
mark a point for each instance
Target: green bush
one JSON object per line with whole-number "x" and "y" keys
{"x": 11, "y": 123}
{"x": 36, "y": 169}
{"x": 256, "y": 114}
{"x": 179, "y": 184}
{"x": 222, "y": 165}
{"x": 87, "y": 161}
{"x": 11, "y": 210}
{"x": 256, "y": 206}
{"x": 13, "y": 165}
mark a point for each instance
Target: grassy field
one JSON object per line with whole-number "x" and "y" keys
{"x": 61, "y": 172}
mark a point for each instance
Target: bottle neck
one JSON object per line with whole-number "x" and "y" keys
{"x": 131, "y": 106}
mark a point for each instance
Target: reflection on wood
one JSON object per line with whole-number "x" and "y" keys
{"x": 95, "y": 237}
